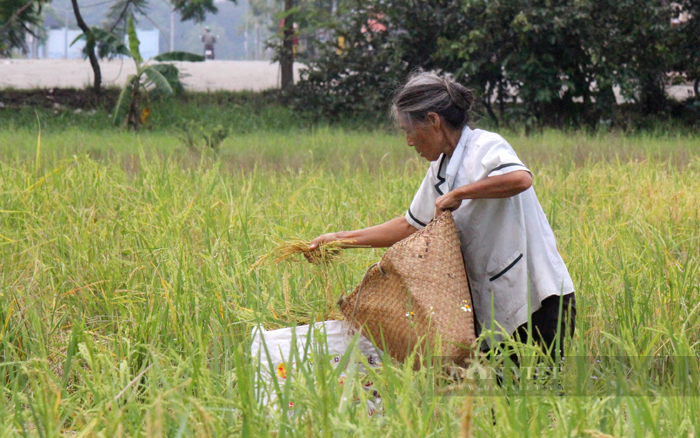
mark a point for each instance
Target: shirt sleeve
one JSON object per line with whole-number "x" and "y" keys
{"x": 422, "y": 209}
{"x": 500, "y": 158}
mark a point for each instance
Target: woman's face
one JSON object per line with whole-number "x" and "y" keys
{"x": 426, "y": 138}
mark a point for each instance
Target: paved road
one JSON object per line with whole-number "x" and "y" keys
{"x": 76, "y": 73}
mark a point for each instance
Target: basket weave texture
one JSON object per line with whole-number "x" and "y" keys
{"x": 417, "y": 293}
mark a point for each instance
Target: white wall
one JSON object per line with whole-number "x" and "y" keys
{"x": 56, "y": 43}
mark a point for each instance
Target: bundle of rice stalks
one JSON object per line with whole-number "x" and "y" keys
{"x": 323, "y": 254}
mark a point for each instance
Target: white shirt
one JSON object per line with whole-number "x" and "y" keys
{"x": 509, "y": 251}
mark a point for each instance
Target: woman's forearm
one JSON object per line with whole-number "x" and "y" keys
{"x": 379, "y": 236}
{"x": 500, "y": 186}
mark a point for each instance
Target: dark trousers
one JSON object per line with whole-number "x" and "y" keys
{"x": 555, "y": 320}
{"x": 548, "y": 327}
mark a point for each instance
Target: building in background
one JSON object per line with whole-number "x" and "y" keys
{"x": 230, "y": 23}
{"x": 58, "y": 44}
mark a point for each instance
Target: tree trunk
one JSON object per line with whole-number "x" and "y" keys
{"x": 653, "y": 96}
{"x": 287, "y": 55}
{"x": 133, "y": 117}
{"x": 90, "y": 46}
{"x": 501, "y": 104}
{"x": 605, "y": 99}
{"x": 487, "y": 103}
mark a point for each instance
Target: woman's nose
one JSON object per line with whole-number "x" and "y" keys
{"x": 409, "y": 140}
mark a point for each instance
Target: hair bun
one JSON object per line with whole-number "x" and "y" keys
{"x": 465, "y": 94}
{"x": 454, "y": 94}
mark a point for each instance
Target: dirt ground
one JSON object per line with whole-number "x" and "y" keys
{"x": 76, "y": 73}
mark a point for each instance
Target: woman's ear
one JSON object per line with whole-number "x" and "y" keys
{"x": 433, "y": 120}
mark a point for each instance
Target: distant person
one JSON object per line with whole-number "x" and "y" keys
{"x": 209, "y": 39}
{"x": 295, "y": 38}
{"x": 374, "y": 23}
{"x": 295, "y": 34}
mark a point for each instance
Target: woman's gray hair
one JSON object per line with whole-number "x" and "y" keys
{"x": 427, "y": 92}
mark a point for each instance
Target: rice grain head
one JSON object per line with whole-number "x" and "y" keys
{"x": 324, "y": 253}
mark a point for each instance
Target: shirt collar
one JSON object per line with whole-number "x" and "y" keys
{"x": 457, "y": 157}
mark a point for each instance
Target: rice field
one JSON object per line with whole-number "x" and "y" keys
{"x": 128, "y": 293}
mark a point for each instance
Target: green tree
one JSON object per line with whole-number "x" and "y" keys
{"x": 635, "y": 38}
{"x": 686, "y": 42}
{"x": 17, "y": 19}
{"x": 368, "y": 48}
{"x": 535, "y": 51}
{"x": 553, "y": 62}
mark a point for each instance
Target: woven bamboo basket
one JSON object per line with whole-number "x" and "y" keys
{"x": 417, "y": 296}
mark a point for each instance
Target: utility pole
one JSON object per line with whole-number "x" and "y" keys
{"x": 65, "y": 34}
{"x": 257, "y": 41}
{"x": 245, "y": 41}
{"x": 172, "y": 30}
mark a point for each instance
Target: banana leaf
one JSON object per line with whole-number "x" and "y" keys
{"x": 134, "y": 42}
{"x": 157, "y": 79}
{"x": 172, "y": 75}
{"x": 179, "y": 56}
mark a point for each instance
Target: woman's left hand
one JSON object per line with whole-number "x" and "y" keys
{"x": 493, "y": 187}
{"x": 447, "y": 202}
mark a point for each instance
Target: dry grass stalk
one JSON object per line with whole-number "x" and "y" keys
{"x": 285, "y": 292}
{"x": 465, "y": 430}
{"x": 597, "y": 434}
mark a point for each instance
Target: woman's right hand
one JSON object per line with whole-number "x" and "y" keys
{"x": 378, "y": 236}
{"x": 324, "y": 238}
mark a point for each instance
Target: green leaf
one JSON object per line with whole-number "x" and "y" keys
{"x": 123, "y": 102}
{"x": 109, "y": 43}
{"x": 78, "y": 38}
{"x": 134, "y": 42}
{"x": 179, "y": 56}
{"x": 172, "y": 75}
{"x": 72, "y": 346}
{"x": 158, "y": 80}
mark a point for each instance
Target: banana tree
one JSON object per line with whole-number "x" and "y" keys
{"x": 148, "y": 78}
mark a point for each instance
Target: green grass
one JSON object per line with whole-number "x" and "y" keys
{"x": 241, "y": 112}
{"x": 127, "y": 300}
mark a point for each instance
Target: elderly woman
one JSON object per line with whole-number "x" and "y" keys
{"x": 511, "y": 258}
